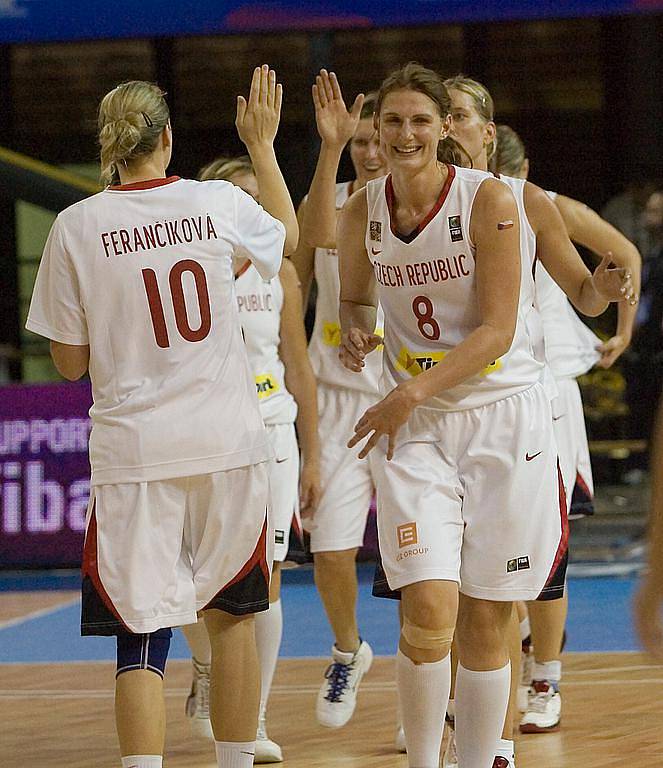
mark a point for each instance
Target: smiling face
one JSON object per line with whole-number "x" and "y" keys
{"x": 470, "y": 129}
{"x": 411, "y": 127}
{"x": 365, "y": 154}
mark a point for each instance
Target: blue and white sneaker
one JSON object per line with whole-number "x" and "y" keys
{"x": 337, "y": 697}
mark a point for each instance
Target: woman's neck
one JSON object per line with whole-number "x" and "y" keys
{"x": 135, "y": 172}
{"x": 421, "y": 189}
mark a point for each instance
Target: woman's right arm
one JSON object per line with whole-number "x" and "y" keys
{"x": 257, "y": 123}
{"x": 358, "y": 299}
{"x": 303, "y": 257}
{"x": 336, "y": 127}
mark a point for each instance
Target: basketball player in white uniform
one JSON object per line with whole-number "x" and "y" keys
{"x": 337, "y": 527}
{"x": 543, "y": 237}
{"x": 571, "y": 350}
{"x": 270, "y": 312}
{"x": 464, "y": 431}
{"x": 136, "y": 285}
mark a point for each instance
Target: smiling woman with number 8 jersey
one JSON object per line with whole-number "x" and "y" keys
{"x": 139, "y": 278}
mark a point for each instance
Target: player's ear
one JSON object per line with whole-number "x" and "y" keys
{"x": 446, "y": 127}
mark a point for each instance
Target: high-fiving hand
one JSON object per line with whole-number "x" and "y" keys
{"x": 258, "y": 118}
{"x": 336, "y": 125}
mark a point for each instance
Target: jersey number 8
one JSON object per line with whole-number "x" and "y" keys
{"x": 422, "y": 307}
{"x": 179, "y": 304}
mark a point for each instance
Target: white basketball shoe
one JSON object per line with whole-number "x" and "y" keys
{"x": 337, "y": 697}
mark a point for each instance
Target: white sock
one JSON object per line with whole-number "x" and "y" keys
{"x": 235, "y": 754}
{"x": 424, "y": 693}
{"x": 142, "y": 761}
{"x": 481, "y": 704}
{"x": 505, "y": 749}
{"x": 548, "y": 670}
{"x": 198, "y": 641}
{"x": 269, "y": 628}
{"x": 525, "y": 630}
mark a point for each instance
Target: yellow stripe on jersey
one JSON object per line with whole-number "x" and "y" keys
{"x": 415, "y": 363}
{"x": 331, "y": 335}
{"x": 266, "y": 385}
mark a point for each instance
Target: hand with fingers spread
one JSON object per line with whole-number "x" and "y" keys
{"x": 258, "y": 117}
{"x": 613, "y": 283}
{"x": 355, "y": 345}
{"x": 336, "y": 125}
{"x": 612, "y": 349}
{"x": 385, "y": 418}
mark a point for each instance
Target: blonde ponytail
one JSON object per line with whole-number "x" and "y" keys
{"x": 131, "y": 120}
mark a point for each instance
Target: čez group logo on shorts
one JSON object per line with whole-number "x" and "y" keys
{"x": 408, "y": 536}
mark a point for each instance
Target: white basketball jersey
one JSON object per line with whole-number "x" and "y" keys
{"x": 143, "y": 274}
{"x": 260, "y": 303}
{"x": 326, "y": 336}
{"x": 571, "y": 347}
{"x": 427, "y": 289}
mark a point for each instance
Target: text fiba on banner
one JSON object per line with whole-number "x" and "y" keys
{"x": 44, "y": 475}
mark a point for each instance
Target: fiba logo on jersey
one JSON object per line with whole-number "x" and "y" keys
{"x": 407, "y": 534}
{"x": 517, "y": 564}
{"x": 375, "y": 230}
{"x": 455, "y": 229}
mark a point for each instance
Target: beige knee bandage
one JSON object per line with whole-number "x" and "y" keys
{"x": 427, "y": 639}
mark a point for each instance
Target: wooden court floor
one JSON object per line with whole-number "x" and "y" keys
{"x": 61, "y": 715}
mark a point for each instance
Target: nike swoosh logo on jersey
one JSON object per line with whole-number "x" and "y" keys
{"x": 533, "y": 456}
{"x": 280, "y": 461}
{"x": 557, "y": 418}
{"x": 374, "y": 252}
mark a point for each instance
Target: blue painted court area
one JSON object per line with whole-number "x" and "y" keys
{"x": 599, "y": 620}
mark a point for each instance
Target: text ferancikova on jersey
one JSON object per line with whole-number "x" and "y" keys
{"x": 159, "y": 234}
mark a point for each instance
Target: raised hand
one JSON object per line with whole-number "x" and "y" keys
{"x": 613, "y": 283}
{"x": 258, "y": 118}
{"x": 355, "y": 345}
{"x": 336, "y": 125}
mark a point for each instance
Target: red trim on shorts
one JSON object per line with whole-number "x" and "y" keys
{"x": 90, "y": 565}
{"x": 296, "y": 527}
{"x": 564, "y": 539}
{"x": 580, "y": 482}
{"x": 389, "y": 194}
{"x": 259, "y": 557}
{"x": 148, "y": 184}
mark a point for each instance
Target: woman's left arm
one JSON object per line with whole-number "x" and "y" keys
{"x": 301, "y": 383}
{"x": 586, "y": 227}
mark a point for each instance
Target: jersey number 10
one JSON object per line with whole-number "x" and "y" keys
{"x": 179, "y": 304}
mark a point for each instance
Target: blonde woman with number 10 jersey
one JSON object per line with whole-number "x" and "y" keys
{"x": 136, "y": 284}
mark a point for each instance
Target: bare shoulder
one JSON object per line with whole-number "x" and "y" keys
{"x": 493, "y": 194}
{"x": 538, "y": 205}
{"x": 356, "y": 204}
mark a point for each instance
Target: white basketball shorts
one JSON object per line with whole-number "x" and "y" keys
{"x": 348, "y": 483}
{"x": 157, "y": 552}
{"x": 284, "y": 487}
{"x": 479, "y": 500}
{"x": 571, "y": 436}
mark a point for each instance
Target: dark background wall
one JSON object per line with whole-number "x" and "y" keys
{"x": 585, "y": 95}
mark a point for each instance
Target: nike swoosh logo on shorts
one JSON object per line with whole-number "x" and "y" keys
{"x": 557, "y": 418}
{"x": 533, "y": 456}
{"x": 280, "y": 461}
